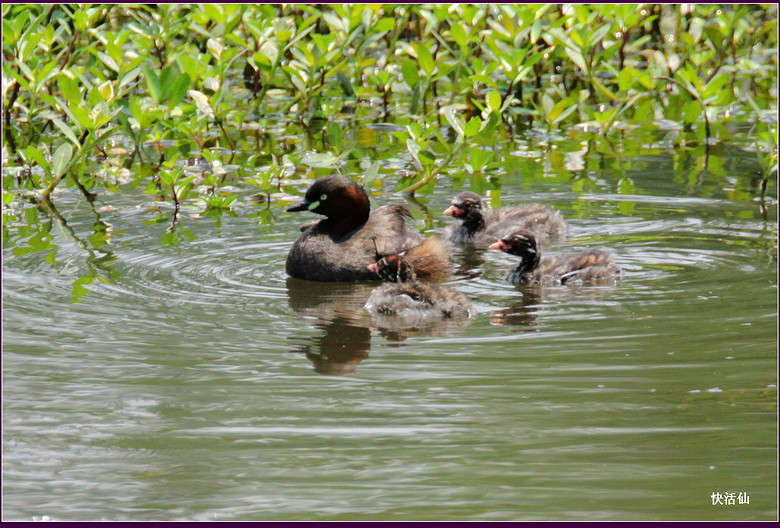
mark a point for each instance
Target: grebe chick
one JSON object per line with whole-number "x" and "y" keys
{"x": 591, "y": 266}
{"x": 411, "y": 299}
{"x": 482, "y": 227}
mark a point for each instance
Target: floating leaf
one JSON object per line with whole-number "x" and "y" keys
{"x": 323, "y": 160}
{"x": 79, "y": 288}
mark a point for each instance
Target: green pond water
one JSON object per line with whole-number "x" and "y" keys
{"x": 196, "y": 381}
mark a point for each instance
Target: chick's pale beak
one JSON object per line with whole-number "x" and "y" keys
{"x": 501, "y": 245}
{"x": 453, "y": 211}
{"x": 374, "y": 268}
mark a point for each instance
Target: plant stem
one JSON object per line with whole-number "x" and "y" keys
{"x": 695, "y": 96}
{"x": 434, "y": 172}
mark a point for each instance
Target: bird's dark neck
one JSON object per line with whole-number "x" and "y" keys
{"x": 528, "y": 264}
{"x": 342, "y": 227}
{"x": 474, "y": 223}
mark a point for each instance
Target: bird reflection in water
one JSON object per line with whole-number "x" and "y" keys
{"x": 339, "y": 349}
{"x": 468, "y": 261}
{"x": 337, "y": 309}
{"x": 526, "y": 312}
{"x": 523, "y": 314}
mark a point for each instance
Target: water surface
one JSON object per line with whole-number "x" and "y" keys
{"x": 196, "y": 381}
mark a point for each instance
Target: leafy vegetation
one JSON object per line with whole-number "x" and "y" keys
{"x": 210, "y": 103}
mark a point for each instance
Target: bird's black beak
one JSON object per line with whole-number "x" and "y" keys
{"x": 300, "y": 206}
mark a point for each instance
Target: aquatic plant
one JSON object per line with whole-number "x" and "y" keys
{"x": 92, "y": 89}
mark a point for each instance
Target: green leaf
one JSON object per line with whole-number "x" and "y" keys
{"x": 494, "y": 101}
{"x": 547, "y": 104}
{"x": 714, "y": 86}
{"x": 267, "y": 55}
{"x": 414, "y": 149}
{"x": 126, "y": 79}
{"x": 369, "y": 177}
{"x": 556, "y": 111}
{"x": 603, "y": 89}
{"x": 167, "y": 177}
{"x": 152, "y": 82}
{"x": 67, "y": 131}
{"x": 425, "y": 59}
{"x": 479, "y": 158}
{"x": 108, "y": 61}
{"x": 455, "y": 121}
{"x": 19, "y": 78}
{"x": 473, "y": 127}
{"x": 627, "y": 78}
{"x": 170, "y": 238}
{"x": 578, "y": 37}
{"x": 69, "y": 89}
{"x": 61, "y": 159}
{"x": 179, "y": 90}
{"x": 166, "y": 80}
{"x": 31, "y": 153}
{"x": 334, "y": 135}
{"x": 692, "y": 111}
{"x": 81, "y": 115}
{"x": 561, "y": 111}
{"x": 384, "y": 24}
{"x": 577, "y": 58}
{"x": 215, "y": 47}
{"x": 645, "y": 80}
{"x": 322, "y": 160}
{"x": 536, "y": 31}
{"x": 427, "y": 159}
{"x": 410, "y": 73}
{"x": 459, "y": 34}
{"x": 202, "y": 102}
